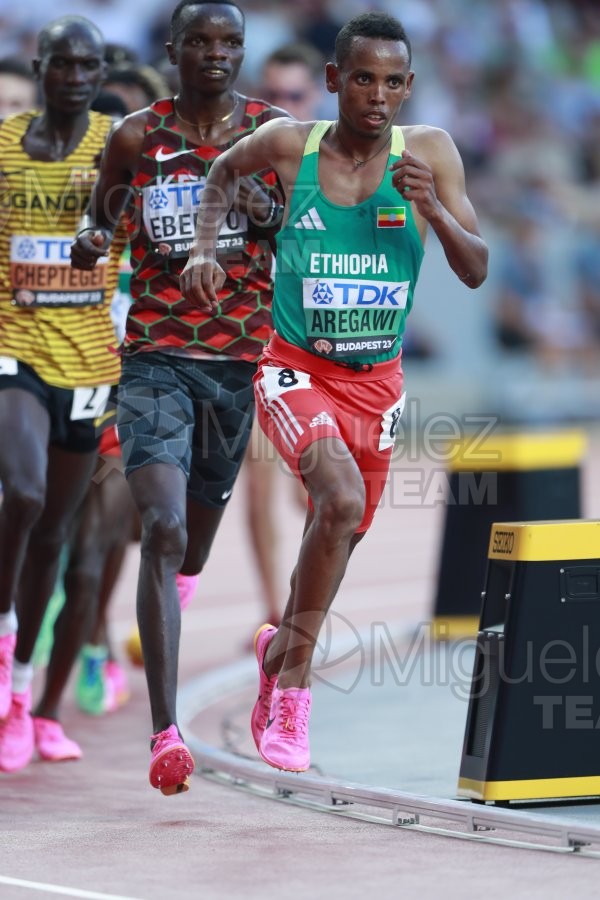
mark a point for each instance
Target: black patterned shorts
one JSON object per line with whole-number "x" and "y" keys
{"x": 192, "y": 413}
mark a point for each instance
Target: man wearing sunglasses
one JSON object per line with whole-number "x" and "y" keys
{"x": 291, "y": 78}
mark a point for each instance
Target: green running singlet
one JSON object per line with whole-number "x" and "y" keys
{"x": 346, "y": 274}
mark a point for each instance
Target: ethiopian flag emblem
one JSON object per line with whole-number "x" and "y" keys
{"x": 391, "y": 216}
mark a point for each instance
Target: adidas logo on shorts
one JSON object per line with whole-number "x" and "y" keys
{"x": 322, "y": 419}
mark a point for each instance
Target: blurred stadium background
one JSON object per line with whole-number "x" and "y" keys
{"x": 517, "y": 84}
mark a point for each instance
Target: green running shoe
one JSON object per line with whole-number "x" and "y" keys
{"x": 90, "y": 688}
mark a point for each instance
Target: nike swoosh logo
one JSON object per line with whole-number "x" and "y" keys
{"x": 226, "y": 494}
{"x": 161, "y": 156}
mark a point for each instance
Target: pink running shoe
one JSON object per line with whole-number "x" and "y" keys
{"x": 16, "y": 734}
{"x": 52, "y": 743}
{"x": 186, "y": 585}
{"x": 115, "y": 686}
{"x": 172, "y": 763}
{"x": 7, "y": 653}
{"x": 262, "y": 707}
{"x": 284, "y": 743}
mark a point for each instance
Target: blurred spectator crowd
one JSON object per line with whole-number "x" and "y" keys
{"x": 516, "y": 83}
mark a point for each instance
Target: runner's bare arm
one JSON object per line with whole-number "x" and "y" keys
{"x": 268, "y": 147}
{"x": 431, "y": 176}
{"x": 260, "y": 205}
{"x": 118, "y": 166}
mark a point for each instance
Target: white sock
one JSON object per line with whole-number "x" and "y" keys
{"x": 22, "y": 676}
{"x": 8, "y": 622}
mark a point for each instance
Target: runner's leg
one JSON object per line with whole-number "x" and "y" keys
{"x": 25, "y": 426}
{"x": 159, "y": 492}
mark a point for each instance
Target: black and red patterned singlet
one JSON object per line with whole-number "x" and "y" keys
{"x": 162, "y": 219}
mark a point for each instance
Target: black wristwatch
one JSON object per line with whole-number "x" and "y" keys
{"x": 274, "y": 216}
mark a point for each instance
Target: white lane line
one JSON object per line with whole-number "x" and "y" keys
{"x": 58, "y": 889}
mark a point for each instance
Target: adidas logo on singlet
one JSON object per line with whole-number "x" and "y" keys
{"x": 311, "y": 221}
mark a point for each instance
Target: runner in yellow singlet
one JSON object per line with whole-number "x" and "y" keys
{"x": 56, "y": 366}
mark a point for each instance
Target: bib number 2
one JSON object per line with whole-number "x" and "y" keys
{"x": 89, "y": 402}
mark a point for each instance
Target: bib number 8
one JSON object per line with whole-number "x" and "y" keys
{"x": 287, "y": 378}
{"x": 277, "y": 381}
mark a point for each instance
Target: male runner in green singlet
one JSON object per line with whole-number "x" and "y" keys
{"x": 360, "y": 195}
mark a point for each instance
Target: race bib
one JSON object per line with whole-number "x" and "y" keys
{"x": 277, "y": 381}
{"x": 389, "y": 424}
{"x": 170, "y": 210}
{"x": 348, "y": 317}
{"x": 89, "y": 402}
{"x": 8, "y": 366}
{"x": 41, "y": 273}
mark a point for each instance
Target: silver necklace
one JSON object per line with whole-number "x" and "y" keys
{"x": 359, "y": 163}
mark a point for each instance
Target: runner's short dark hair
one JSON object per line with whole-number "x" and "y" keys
{"x": 369, "y": 25}
{"x": 183, "y": 4}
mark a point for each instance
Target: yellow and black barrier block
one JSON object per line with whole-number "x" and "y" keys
{"x": 533, "y": 722}
{"x": 522, "y": 476}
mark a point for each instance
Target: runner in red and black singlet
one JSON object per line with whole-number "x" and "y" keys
{"x": 186, "y": 403}
{"x": 168, "y": 186}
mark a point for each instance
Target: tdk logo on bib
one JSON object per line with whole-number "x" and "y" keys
{"x": 172, "y": 196}
{"x": 322, "y": 294}
{"x": 346, "y": 292}
{"x": 25, "y": 249}
{"x": 157, "y": 199}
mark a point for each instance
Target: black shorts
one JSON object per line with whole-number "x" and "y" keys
{"x": 192, "y": 413}
{"x": 73, "y": 411}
